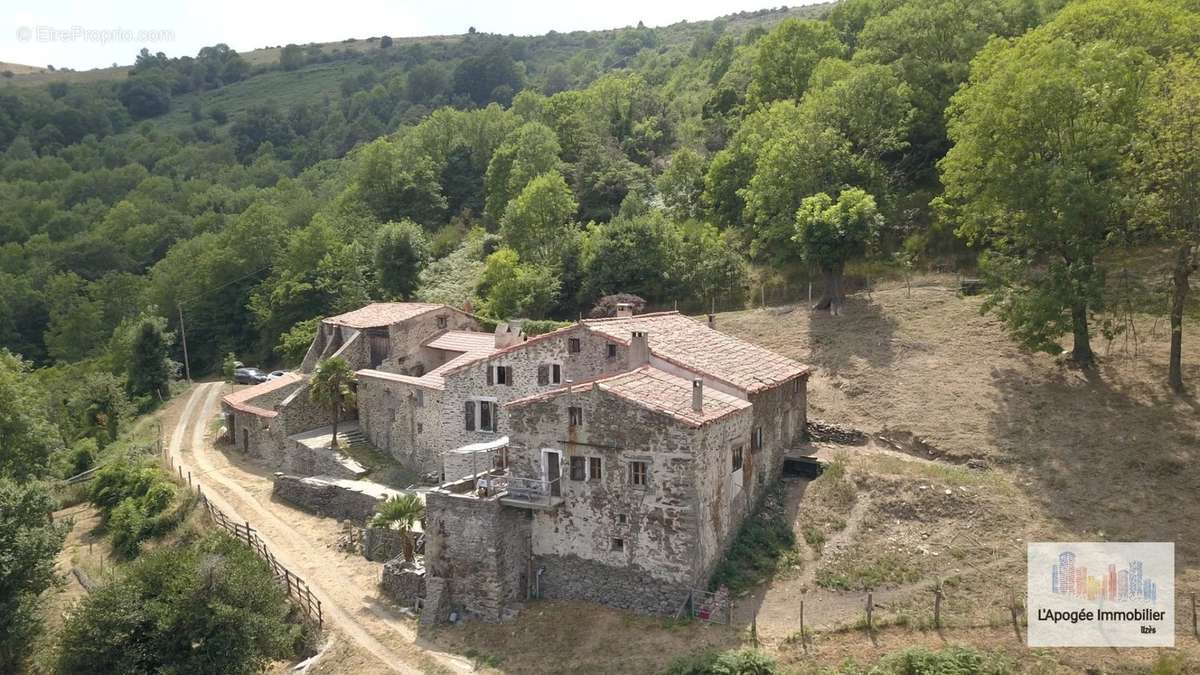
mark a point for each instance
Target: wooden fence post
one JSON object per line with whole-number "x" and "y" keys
{"x": 937, "y": 605}
{"x": 1012, "y": 608}
{"x": 248, "y": 543}
{"x": 803, "y": 639}
{"x": 870, "y": 613}
{"x": 1195, "y": 628}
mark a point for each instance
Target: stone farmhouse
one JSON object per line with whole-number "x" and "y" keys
{"x": 609, "y": 461}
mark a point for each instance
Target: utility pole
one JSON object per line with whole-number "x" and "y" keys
{"x": 187, "y": 367}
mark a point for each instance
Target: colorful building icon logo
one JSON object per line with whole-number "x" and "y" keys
{"x": 1072, "y": 580}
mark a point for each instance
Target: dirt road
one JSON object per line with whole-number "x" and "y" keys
{"x": 345, "y": 584}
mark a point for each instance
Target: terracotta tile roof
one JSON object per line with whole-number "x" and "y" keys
{"x": 655, "y": 390}
{"x": 692, "y": 345}
{"x": 456, "y": 364}
{"x": 464, "y": 341}
{"x": 427, "y": 381}
{"x": 240, "y": 399}
{"x": 382, "y": 314}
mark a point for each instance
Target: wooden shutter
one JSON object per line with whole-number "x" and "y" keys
{"x": 543, "y": 374}
{"x": 557, "y": 374}
{"x": 469, "y": 411}
{"x": 508, "y": 375}
{"x": 578, "y": 468}
{"x": 495, "y": 415}
{"x": 594, "y": 468}
{"x": 490, "y": 381}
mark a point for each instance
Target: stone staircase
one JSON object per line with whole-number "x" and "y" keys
{"x": 353, "y": 439}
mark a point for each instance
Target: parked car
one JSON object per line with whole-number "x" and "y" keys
{"x": 276, "y": 374}
{"x": 249, "y": 376}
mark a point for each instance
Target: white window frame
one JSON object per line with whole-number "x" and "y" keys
{"x": 546, "y": 465}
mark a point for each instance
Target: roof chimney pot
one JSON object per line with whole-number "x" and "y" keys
{"x": 712, "y": 321}
{"x": 624, "y": 310}
{"x": 698, "y": 395}
{"x": 639, "y": 349}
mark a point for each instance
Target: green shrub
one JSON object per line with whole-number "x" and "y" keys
{"x": 135, "y": 502}
{"x": 948, "y": 661}
{"x": 210, "y": 607}
{"x": 83, "y": 456}
{"x": 744, "y": 661}
{"x": 764, "y": 543}
{"x": 540, "y": 326}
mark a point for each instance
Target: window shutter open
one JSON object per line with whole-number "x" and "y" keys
{"x": 495, "y": 416}
{"x": 508, "y": 375}
{"x": 469, "y": 410}
{"x": 490, "y": 379}
{"x": 543, "y": 374}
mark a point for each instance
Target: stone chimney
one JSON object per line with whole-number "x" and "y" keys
{"x": 639, "y": 349}
{"x": 624, "y": 310}
{"x": 508, "y": 333}
{"x": 698, "y": 395}
{"x": 712, "y": 321}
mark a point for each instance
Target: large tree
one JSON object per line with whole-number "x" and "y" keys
{"x": 1167, "y": 169}
{"x": 150, "y": 365}
{"x": 1039, "y": 135}
{"x": 29, "y": 541}
{"x": 401, "y": 252}
{"x": 831, "y": 233}
{"x": 535, "y": 220}
{"x": 26, "y": 435}
{"x": 529, "y": 151}
{"x": 787, "y": 56}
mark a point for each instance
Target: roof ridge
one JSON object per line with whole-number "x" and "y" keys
{"x": 635, "y": 316}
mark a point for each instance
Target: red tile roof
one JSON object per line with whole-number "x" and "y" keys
{"x": 460, "y": 363}
{"x": 655, "y": 390}
{"x": 382, "y": 314}
{"x": 240, "y": 399}
{"x": 692, "y": 345}
{"x": 464, "y": 341}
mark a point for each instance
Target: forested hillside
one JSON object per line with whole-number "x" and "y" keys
{"x": 530, "y": 176}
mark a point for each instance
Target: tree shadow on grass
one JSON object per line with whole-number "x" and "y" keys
{"x": 859, "y": 332}
{"x": 1103, "y": 459}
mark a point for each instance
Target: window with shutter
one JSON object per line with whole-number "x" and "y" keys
{"x": 490, "y": 375}
{"x": 578, "y": 468}
{"x": 485, "y": 416}
{"x": 543, "y": 374}
{"x": 469, "y": 414}
{"x": 574, "y": 416}
{"x": 556, "y": 375}
{"x": 593, "y": 468}
{"x": 508, "y": 379}
{"x": 573, "y": 346}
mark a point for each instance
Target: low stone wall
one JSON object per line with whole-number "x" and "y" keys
{"x": 381, "y": 544}
{"x": 573, "y": 578}
{"x": 324, "y": 498}
{"x": 403, "y": 582}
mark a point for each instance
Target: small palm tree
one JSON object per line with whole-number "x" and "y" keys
{"x": 401, "y": 512}
{"x": 330, "y": 388}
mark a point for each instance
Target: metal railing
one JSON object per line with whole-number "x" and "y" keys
{"x": 532, "y": 490}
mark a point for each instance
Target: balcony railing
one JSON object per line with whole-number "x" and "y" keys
{"x": 533, "y": 491}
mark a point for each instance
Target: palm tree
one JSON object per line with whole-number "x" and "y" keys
{"x": 330, "y": 388}
{"x": 401, "y": 512}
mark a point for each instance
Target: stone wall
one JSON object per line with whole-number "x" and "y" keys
{"x": 470, "y": 382}
{"x": 476, "y": 556}
{"x": 325, "y": 499}
{"x": 381, "y": 544}
{"x": 656, "y": 527}
{"x": 401, "y": 421}
{"x": 407, "y": 356}
{"x": 403, "y": 582}
{"x": 254, "y": 435}
{"x": 632, "y": 588}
